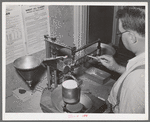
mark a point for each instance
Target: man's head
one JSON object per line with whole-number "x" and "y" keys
{"x": 132, "y": 22}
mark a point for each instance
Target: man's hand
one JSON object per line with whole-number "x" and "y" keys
{"x": 109, "y": 62}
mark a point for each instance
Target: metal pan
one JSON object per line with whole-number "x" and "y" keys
{"x": 58, "y": 102}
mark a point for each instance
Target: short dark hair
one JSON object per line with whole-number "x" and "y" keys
{"x": 133, "y": 18}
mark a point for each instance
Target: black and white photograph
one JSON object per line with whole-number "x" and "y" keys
{"x": 75, "y": 61}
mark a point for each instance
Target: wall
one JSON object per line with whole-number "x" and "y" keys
{"x": 61, "y": 23}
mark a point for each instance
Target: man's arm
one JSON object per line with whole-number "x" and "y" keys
{"x": 109, "y": 62}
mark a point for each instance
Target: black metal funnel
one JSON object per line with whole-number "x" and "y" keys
{"x": 27, "y": 67}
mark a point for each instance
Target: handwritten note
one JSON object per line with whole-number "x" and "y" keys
{"x": 77, "y": 116}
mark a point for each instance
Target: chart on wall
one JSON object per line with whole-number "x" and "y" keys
{"x": 25, "y": 29}
{"x": 15, "y": 40}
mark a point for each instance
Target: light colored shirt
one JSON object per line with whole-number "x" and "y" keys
{"x": 132, "y": 97}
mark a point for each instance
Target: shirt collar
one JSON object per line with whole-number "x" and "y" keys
{"x": 134, "y": 60}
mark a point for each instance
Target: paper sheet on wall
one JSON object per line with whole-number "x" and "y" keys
{"x": 25, "y": 29}
{"x": 36, "y": 23}
{"x": 15, "y": 38}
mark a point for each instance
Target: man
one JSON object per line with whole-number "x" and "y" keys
{"x": 132, "y": 81}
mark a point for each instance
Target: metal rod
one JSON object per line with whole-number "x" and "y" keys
{"x": 49, "y": 77}
{"x": 48, "y": 55}
{"x": 55, "y": 78}
{"x": 99, "y": 49}
{"x": 92, "y": 57}
{"x": 56, "y": 58}
{"x": 54, "y": 55}
{"x": 87, "y": 46}
{"x": 62, "y": 45}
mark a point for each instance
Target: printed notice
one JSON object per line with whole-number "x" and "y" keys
{"x": 15, "y": 39}
{"x": 36, "y": 23}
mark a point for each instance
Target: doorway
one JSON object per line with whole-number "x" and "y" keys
{"x": 100, "y": 23}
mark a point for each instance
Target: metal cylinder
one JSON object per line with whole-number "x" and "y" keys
{"x": 70, "y": 95}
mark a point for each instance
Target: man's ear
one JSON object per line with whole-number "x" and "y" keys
{"x": 132, "y": 38}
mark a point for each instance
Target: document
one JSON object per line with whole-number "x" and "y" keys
{"x": 26, "y": 26}
{"x": 15, "y": 38}
{"x": 36, "y": 23}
